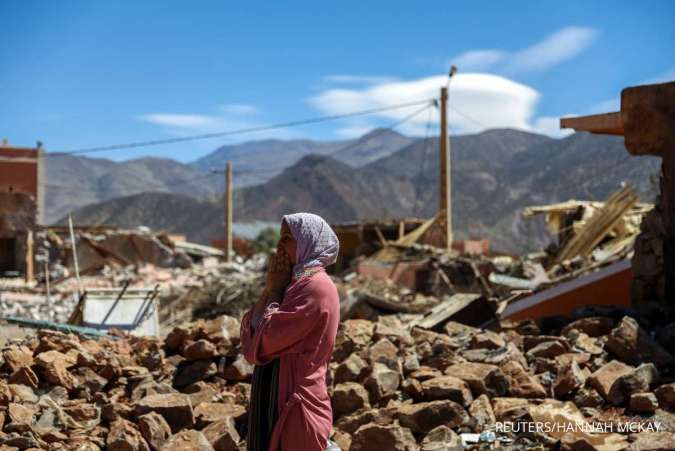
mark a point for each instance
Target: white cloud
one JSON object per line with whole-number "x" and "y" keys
{"x": 550, "y": 125}
{"x": 478, "y": 60}
{"x": 179, "y": 120}
{"x": 556, "y": 48}
{"x": 477, "y": 102}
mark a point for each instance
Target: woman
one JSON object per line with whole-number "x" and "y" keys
{"x": 293, "y": 325}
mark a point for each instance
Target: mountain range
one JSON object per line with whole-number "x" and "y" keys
{"x": 381, "y": 175}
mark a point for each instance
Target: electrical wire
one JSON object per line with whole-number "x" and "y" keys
{"x": 240, "y": 131}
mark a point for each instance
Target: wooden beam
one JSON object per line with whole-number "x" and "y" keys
{"x": 605, "y": 124}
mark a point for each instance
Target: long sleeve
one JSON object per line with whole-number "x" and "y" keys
{"x": 281, "y": 328}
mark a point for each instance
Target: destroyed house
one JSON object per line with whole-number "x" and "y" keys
{"x": 20, "y": 207}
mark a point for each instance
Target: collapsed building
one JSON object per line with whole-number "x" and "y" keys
{"x": 439, "y": 348}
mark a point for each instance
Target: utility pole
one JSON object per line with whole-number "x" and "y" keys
{"x": 445, "y": 194}
{"x": 228, "y": 212}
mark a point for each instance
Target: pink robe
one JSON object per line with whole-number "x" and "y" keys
{"x": 301, "y": 332}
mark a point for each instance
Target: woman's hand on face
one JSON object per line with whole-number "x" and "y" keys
{"x": 278, "y": 273}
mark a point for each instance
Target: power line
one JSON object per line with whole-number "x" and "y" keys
{"x": 240, "y": 131}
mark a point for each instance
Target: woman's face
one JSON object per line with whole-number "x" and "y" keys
{"x": 287, "y": 242}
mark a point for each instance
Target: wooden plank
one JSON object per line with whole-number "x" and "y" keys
{"x": 605, "y": 124}
{"x": 443, "y": 311}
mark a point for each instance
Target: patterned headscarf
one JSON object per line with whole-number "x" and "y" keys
{"x": 317, "y": 244}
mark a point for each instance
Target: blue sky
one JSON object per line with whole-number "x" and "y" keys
{"x": 86, "y": 73}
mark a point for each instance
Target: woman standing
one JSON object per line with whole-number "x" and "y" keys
{"x": 289, "y": 334}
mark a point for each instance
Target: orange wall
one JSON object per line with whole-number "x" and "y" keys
{"x": 20, "y": 175}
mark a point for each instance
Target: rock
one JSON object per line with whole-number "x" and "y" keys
{"x": 377, "y": 437}
{"x": 200, "y": 349}
{"x": 643, "y": 403}
{"x": 521, "y": 383}
{"x": 594, "y": 326}
{"x": 19, "y": 414}
{"x": 481, "y": 411}
{"x": 24, "y": 376}
{"x": 23, "y": 393}
{"x": 652, "y": 441}
{"x": 123, "y": 436}
{"x": 239, "y": 370}
{"x": 175, "y": 408}
{"x": 210, "y": 412}
{"x": 17, "y": 357}
{"x": 192, "y": 372}
{"x": 222, "y": 435}
{"x": 5, "y": 394}
{"x": 423, "y": 417}
{"x": 638, "y": 380}
{"x": 351, "y": 369}
{"x": 91, "y": 380}
{"x": 384, "y": 351}
{"x": 390, "y": 327}
{"x": 348, "y": 397}
{"x": 604, "y": 378}
{"x": 154, "y": 429}
{"x": 188, "y": 441}
{"x": 343, "y": 439}
{"x": 588, "y": 397}
{"x": 632, "y": 345}
{"x": 382, "y": 382}
{"x": 413, "y": 388}
{"x": 482, "y": 378}
{"x": 441, "y": 438}
{"x": 666, "y": 395}
{"x": 509, "y": 409}
{"x": 569, "y": 379}
{"x": 353, "y": 335}
{"x": 547, "y": 350}
{"x": 495, "y": 356}
{"x": 201, "y": 392}
{"x": 350, "y": 423}
{"x": 589, "y": 345}
{"x": 447, "y": 387}
{"x": 487, "y": 340}
{"x": 424, "y": 372}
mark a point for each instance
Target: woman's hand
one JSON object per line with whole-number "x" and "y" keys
{"x": 279, "y": 270}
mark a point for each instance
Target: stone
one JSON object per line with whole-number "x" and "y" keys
{"x": 353, "y": 335}
{"x": 482, "y": 378}
{"x": 487, "y": 340}
{"x": 85, "y": 413}
{"x": 210, "y": 412}
{"x": 20, "y": 414}
{"x": 175, "y": 408}
{"x": 384, "y": 351}
{"x": 632, "y": 345}
{"x": 424, "y": 372}
{"x": 521, "y": 383}
{"x": 23, "y": 393}
{"x": 441, "y": 438}
{"x": 447, "y": 387}
{"x": 588, "y": 397}
{"x": 350, "y": 423}
{"x": 378, "y": 437}
{"x": 643, "y": 403}
{"x": 351, "y": 369}
{"x": 91, "y": 380}
{"x": 638, "y": 380}
{"x": 594, "y": 326}
{"x": 200, "y": 349}
{"x": 509, "y": 409}
{"x": 423, "y": 417}
{"x": 652, "y": 441}
{"x": 390, "y": 327}
{"x": 24, "y": 376}
{"x": 348, "y": 397}
{"x": 382, "y": 382}
{"x": 547, "y": 350}
{"x": 413, "y": 388}
{"x": 191, "y": 372}
{"x": 200, "y": 392}
{"x": 569, "y": 379}
{"x": 587, "y": 344}
{"x": 343, "y": 439}
{"x": 604, "y": 378}
{"x": 188, "y": 440}
{"x": 222, "y": 435}
{"x": 154, "y": 429}
{"x": 17, "y": 357}
{"x": 123, "y": 436}
{"x": 481, "y": 411}
{"x": 239, "y": 370}
{"x": 6, "y": 395}
{"x": 495, "y": 356}
{"x": 666, "y": 395}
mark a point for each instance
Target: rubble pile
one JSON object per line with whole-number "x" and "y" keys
{"x": 393, "y": 386}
